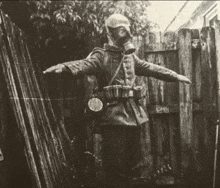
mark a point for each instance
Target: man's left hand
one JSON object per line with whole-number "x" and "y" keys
{"x": 182, "y": 78}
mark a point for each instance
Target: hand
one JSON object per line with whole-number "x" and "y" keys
{"x": 59, "y": 68}
{"x": 182, "y": 78}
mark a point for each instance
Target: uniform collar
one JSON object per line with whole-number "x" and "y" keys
{"x": 112, "y": 48}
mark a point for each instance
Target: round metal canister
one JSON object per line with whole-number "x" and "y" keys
{"x": 138, "y": 92}
{"x": 125, "y": 91}
{"x": 117, "y": 90}
{"x": 95, "y": 105}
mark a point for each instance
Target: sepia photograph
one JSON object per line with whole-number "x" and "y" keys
{"x": 109, "y": 94}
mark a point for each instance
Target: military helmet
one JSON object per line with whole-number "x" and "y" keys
{"x": 117, "y": 20}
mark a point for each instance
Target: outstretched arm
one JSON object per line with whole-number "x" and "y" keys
{"x": 144, "y": 68}
{"x": 90, "y": 65}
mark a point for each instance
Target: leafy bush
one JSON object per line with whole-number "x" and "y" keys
{"x": 71, "y": 27}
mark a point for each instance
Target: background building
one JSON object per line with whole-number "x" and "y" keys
{"x": 195, "y": 14}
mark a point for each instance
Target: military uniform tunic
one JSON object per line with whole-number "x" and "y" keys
{"x": 104, "y": 62}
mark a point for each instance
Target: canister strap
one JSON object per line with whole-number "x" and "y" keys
{"x": 116, "y": 72}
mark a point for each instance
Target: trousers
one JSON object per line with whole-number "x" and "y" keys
{"x": 121, "y": 152}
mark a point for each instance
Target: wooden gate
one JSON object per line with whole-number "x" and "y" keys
{"x": 183, "y": 117}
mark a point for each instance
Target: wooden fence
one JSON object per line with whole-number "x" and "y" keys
{"x": 181, "y": 133}
{"x": 183, "y": 117}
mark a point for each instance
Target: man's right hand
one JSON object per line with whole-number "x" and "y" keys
{"x": 59, "y": 68}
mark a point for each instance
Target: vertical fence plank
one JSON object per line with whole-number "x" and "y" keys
{"x": 156, "y": 97}
{"x": 10, "y": 80}
{"x": 156, "y": 87}
{"x": 172, "y": 98}
{"x": 3, "y": 119}
{"x": 185, "y": 95}
{"x": 171, "y": 62}
{"x": 146, "y": 155}
{"x": 208, "y": 59}
{"x": 196, "y": 74}
{"x": 208, "y": 65}
{"x": 196, "y": 95}
{"x": 174, "y": 142}
{"x": 43, "y": 132}
{"x": 217, "y": 45}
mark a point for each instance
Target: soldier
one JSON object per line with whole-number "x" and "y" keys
{"x": 118, "y": 66}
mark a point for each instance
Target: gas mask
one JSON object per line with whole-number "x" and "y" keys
{"x": 122, "y": 38}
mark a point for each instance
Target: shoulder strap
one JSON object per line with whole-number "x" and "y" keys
{"x": 96, "y": 49}
{"x": 118, "y": 68}
{"x": 116, "y": 72}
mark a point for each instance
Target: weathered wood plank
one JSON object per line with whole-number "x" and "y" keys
{"x": 146, "y": 152}
{"x": 156, "y": 87}
{"x": 209, "y": 95}
{"x": 165, "y": 109}
{"x": 209, "y": 76}
{"x": 196, "y": 70}
{"x": 138, "y": 42}
{"x": 20, "y": 81}
{"x": 159, "y": 137}
{"x": 217, "y": 45}
{"x": 161, "y": 148}
{"x": 157, "y": 140}
{"x": 146, "y": 155}
{"x": 197, "y": 97}
{"x": 174, "y": 142}
{"x": 171, "y": 99}
{"x": 3, "y": 116}
{"x": 185, "y": 95}
{"x": 42, "y": 131}
{"x": 171, "y": 89}
{"x": 171, "y": 62}
{"x": 8, "y": 75}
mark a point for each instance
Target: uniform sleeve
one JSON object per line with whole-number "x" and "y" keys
{"x": 144, "y": 68}
{"x": 90, "y": 65}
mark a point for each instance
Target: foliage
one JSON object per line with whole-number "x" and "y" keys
{"x": 64, "y": 23}
{"x": 84, "y": 17}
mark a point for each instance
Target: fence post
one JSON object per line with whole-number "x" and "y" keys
{"x": 217, "y": 46}
{"x": 208, "y": 67}
{"x": 171, "y": 98}
{"x": 185, "y": 96}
